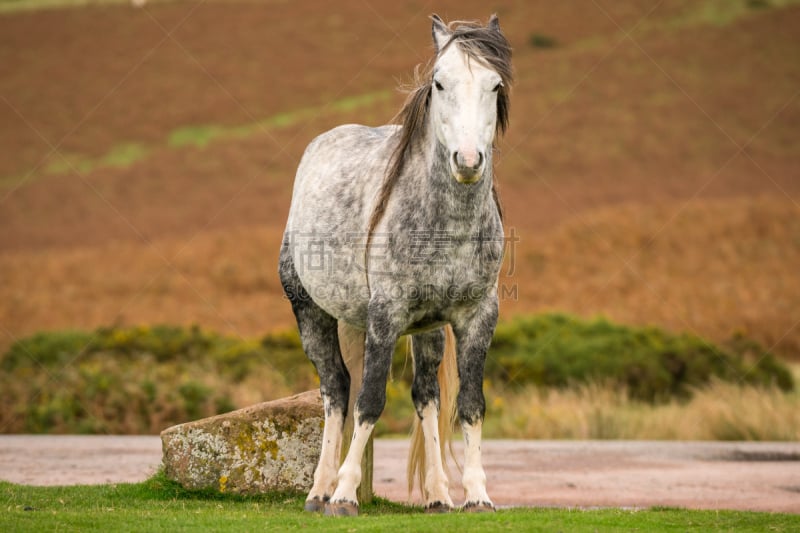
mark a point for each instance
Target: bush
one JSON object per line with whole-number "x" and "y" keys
{"x": 651, "y": 364}
{"x": 45, "y": 349}
{"x": 540, "y": 40}
{"x": 142, "y": 379}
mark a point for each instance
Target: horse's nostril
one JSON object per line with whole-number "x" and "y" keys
{"x": 471, "y": 163}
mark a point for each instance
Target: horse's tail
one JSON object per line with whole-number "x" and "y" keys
{"x": 448, "y": 389}
{"x": 351, "y": 344}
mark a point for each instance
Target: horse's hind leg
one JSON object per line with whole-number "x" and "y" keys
{"x": 319, "y": 335}
{"x": 428, "y": 350}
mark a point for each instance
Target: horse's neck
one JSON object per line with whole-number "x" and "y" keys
{"x": 448, "y": 205}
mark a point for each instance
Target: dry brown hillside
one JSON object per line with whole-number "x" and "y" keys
{"x": 651, "y": 172}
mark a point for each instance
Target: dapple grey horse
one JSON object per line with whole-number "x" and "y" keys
{"x": 397, "y": 230}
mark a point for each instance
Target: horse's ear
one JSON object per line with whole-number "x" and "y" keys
{"x": 494, "y": 23}
{"x": 440, "y": 32}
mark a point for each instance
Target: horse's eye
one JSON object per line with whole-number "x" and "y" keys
{"x": 438, "y": 85}
{"x": 497, "y": 87}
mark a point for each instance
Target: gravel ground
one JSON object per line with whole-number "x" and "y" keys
{"x": 700, "y": 475}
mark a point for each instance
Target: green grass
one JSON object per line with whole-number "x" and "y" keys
{"x": 160, "y": 505}
{"x": 198, "y": 136}
{"x": 10, "y": 6}
{"x": 721, "y": 13}
{"x": 202, "y": 135}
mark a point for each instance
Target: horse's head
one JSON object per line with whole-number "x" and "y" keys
{"x": 469, "y": 93}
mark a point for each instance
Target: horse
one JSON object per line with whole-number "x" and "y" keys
{"x": 397, "y": 230}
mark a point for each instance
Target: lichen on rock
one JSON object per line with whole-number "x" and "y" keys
{"x": 266, "y": 447}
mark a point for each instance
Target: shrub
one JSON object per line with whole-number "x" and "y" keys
{"x": 141, "y": 379}
{"x": 651, "y": 364}
{"x": 540, "y": 40}
{"x": 45, "y": 349}
{"x": 144, "y": 379}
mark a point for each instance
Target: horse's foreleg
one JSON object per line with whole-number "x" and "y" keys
{"x": 380, "y": 341}
{"x": 474, "y": 478}
{"x": 428, "y": 351}
{"x": 325, "y": 474}
{"x": 473, "y": 338}
{"x": 344, "y": 501}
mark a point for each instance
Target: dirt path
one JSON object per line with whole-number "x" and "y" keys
{"x": 701, "y": 475}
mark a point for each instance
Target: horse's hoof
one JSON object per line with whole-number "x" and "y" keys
{"x": 341, "y": 509}
{"x": 478, "y": 507}
{"x": 438, "y": 508}
{"x": 315, "y": 505}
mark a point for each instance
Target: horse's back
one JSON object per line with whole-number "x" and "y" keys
{"x": 338, "y": 175}
{"x": 334, "y": 194}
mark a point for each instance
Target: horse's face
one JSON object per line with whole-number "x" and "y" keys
{"x": 463, "y": 110}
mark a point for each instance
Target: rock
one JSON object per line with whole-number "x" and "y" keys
{"x": 265, "y": 447}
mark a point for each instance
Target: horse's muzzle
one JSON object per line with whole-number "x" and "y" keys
{"x": 469, "y": 168}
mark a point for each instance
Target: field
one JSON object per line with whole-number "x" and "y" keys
{"x": 650, "y": 173}
{"x": 158, "y": 505}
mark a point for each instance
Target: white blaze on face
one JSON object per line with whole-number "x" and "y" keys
{"x": 464, "y": 111}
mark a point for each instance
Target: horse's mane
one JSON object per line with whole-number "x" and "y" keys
{"x": 484, "y": 44}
